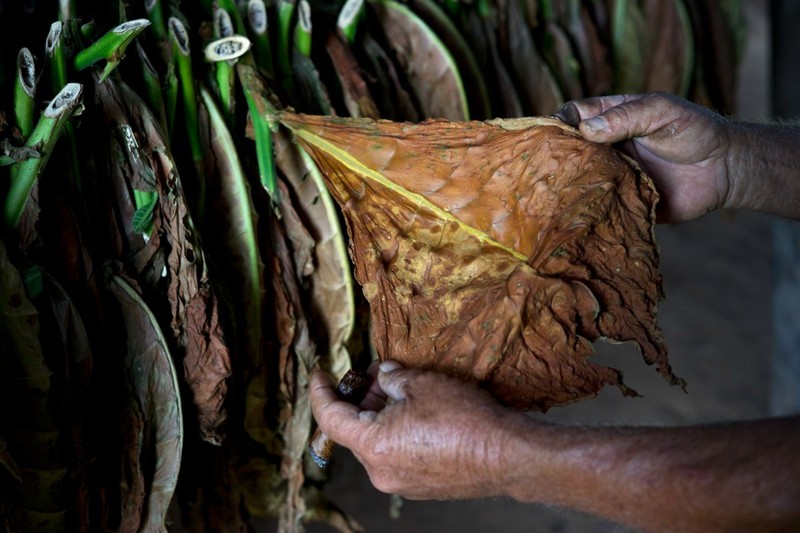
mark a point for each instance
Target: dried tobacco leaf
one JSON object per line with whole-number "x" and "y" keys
{"x": 169, "y": 260}
{"x": 153, "y": 456}
{"x": 670, "y": 63}
{"x": 474, "y": 85}
{"x": 232, "y": 235}
{"x": 332, "y": 299}
{"x": 38, "y": 500}
{"x": 355, "y": 91}
{"x": 428, "y": 65}
{"x": 538, "y": 89}
{"x": 496, "y": 252}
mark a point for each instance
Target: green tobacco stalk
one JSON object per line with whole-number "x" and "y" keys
{"x": 54, "y": 50}
{"x": 258, "y": 22}
{"x": 223, "y": 69}
{"x": 111, "y": 46}
{"x": 155, "y": 14}
{"x": 285, "y": 15}
{"x": 24, "y": 91}
{"x": 181, "y": 52}
{"x": 260, "y": 110}
{"x": 153, "y": 89}
{"x": 302, "y": 29}
{"x": 45, "y": 134}
{"x": 349, "y": 18}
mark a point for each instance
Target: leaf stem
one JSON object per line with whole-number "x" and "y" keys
{"x": 111, "y": 46}
{"x": 44, "y": 135}
{"x": 302, "y": 29}
{"x": 260, "y": 112}
{"x": 258, "y": 22}
{"x": 24, "y": 92}
{"x": 181, "y": 51}
{"x": 349, "y": 18}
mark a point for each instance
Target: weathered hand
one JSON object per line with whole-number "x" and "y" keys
{"x": 684, "y": 147}
{"x": 422, "y": 435}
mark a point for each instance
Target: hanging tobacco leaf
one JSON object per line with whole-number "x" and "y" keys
{"x": 538, "y": 89}
{"x": 154, "y": 427}
{"x": 480, "y": 31}
{"x": 230, "y": 229}
{"x": 393, "y": 100}
{"x": 294, "y": 408}
{"x": 355, "y": 91}
{"x": 474, "y": 84}
{"x": 670, "y": 63}
{"x": 630, "y": 45}
{"x": 590, "y": 51}
{"x": 36, "y": 495}
{"x": 169, "y": 263}
{"x": 496, "y": 251}
{"x": 428, "y": 65}
{"x": 332, "y": 301}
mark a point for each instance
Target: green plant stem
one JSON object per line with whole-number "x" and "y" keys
{"x": 229, "y": 6}
{"x": 349, "y": 18}
{"x": 260, "y": 110}
{"x": 24, "y": 92}
{"x": 44, "y": 135}
{"x": 259, "y": 24}
{"x": 181, "y": 53}
{"x": 302, "y": 29}
{"x": 155, "y": 14}
{"x": 153, "y": 89}
{"x": 170, "y": 89}
{"x": 285, "y": 14}
{"x": 111, "y": 46}
{"x": 54, "y": 50}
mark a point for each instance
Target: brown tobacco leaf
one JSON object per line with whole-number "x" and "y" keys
{"x": 496, "y": 252}
{"x": 168, "y": 262}
{"x": 154, "y": 428}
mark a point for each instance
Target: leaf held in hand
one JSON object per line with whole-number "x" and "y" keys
{"x": 496, "y": 251}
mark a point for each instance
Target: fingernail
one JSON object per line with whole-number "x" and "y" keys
{"x": 388, "y": 366}
{"x": 596, "y": 124}
{"x": 367, "y": 416}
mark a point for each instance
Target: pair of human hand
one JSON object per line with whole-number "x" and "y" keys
{"x": 425, "y": 435}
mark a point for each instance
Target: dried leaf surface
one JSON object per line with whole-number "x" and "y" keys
{"x": 331, "y": 285}
{"x": 496, "y": 252}
{"x": 170, "y": 261}
{"x": 154, "y": 408}
{"x": 428, "y": 65}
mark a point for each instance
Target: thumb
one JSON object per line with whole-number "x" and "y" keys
{"x": 638, "y": 117}
{"x": 393, "y": 378}
{"x": 341, "y": 421}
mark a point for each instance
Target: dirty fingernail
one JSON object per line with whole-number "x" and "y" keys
{"x": 367, "y": 416}
{"x": 388, "y": 366}
{"x": 596, "y": 124}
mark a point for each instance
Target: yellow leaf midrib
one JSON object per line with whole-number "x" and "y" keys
{"x": 361, "y": 169}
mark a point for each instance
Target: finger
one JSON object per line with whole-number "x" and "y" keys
{"x": 575, "y": 111}
{"x": 337, "y": 419}
{"x": 392, "y": 378}
{"x": 638, "y": 117}
{"x": 375, "y": 399}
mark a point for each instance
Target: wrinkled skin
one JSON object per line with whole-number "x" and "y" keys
{"x": 683, "y": 146}
{"x": 425, "y": 435}
{"x": 398, "y": 433}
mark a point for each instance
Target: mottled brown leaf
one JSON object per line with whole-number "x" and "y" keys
{"x": 168, "y": 263}
{"x": 496, "y": 251}
{"x": 428, "y": 65}
{"x": 671, "y": 60}
{"x": 154, "y": 410}
{"x": 332, "y": 301}
{"x": 355, "y": 91}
